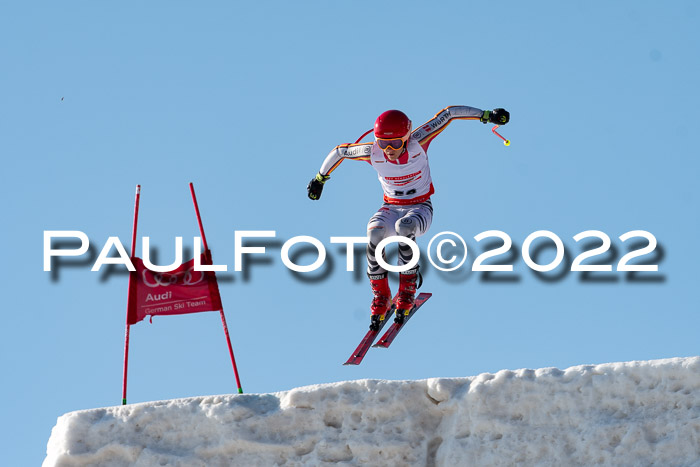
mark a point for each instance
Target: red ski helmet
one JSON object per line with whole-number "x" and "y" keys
{"x": 392, "y": 124}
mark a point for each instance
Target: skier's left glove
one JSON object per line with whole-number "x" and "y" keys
{"x": 315, "y": 186}
{"x": 496, "y": 116}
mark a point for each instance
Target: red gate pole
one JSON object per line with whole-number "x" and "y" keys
{"x": 131, "y": 278}
{"x": 223, "y": 318}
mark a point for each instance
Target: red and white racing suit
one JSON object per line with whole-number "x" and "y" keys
{"x": 407, "y": 210}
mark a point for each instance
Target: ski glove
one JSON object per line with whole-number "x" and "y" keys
{"x": 496, "y": 116}
{"x": 315, "y": 186}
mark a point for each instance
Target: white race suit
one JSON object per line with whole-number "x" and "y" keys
{"x": 407, "y": 210}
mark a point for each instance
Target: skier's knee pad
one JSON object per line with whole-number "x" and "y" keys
{"x": 406, "y": 227}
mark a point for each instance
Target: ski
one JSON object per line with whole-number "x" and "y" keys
{"x": 368, "y": 340}
{"x": 394, "y": 329}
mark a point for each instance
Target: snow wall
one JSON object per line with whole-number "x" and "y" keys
{"x": 636, "y": 413}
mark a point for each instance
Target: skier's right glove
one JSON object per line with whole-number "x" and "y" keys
{"x": 496, "y": 116}
{"x": 315, "y": 186}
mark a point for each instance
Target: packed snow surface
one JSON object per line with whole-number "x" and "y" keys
{"x": 636, "y": 413}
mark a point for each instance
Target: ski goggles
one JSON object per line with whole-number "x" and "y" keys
{"x": 393, "y": 143}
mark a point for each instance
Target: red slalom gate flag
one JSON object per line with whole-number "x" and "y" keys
{"x": 180, "y": 291}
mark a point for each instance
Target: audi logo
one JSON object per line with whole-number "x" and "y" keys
{"x": 164, "y": 279}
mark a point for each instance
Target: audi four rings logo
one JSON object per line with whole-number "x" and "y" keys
{"x": 166, "y": 279}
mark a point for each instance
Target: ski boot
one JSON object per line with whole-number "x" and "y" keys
{"x": 381, "y": 303}
{"x": 407, "y": 294}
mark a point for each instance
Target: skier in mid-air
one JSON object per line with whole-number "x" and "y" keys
{"x": 399, "y": 157}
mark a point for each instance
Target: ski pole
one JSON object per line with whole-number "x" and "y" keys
{"x": 505, "y": 141}
{"x": 363, "y": 135}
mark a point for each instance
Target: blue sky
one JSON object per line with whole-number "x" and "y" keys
{"x": 245, "y": 101}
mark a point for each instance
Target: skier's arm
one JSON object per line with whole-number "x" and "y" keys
{"x": 433, "y": 127}
{"x": 356, "y": 152}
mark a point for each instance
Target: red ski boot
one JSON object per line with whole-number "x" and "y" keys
{"x": 407, "y": 294}
{"x": 381, "y": 303}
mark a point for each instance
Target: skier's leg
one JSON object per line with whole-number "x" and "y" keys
{"x": 380, "y": 226}
{"x": 415, "y": 222}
